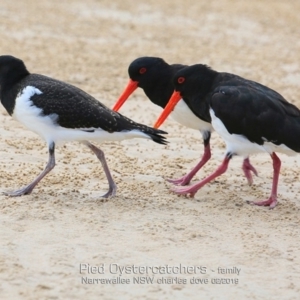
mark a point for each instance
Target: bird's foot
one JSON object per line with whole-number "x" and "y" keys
{"x": 271, "y": 202}
{"x": 185, "y": 180}
{"x": 23, "y": 191}
{"x": 111, "y": 191}
{"x": 191, "y": 190}
{"x": 248, "y": 168}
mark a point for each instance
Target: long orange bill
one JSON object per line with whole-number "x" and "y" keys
{"x": 130, "y": 88}
{"x": 168, "y": 109}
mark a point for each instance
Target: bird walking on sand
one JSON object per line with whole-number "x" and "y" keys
{"x": 60, "y": 112}
{"x": 155, "y": 77}
{"x": 250, "y": 117}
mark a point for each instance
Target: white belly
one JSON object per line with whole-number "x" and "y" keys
{"x": 235, "y": 143}
{"x": 183, "y": 115}
{"x": 240, "y": 145}
{"x": 270, "y": 147}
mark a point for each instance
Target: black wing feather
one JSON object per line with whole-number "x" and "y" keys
{"x": 258, "y": 113}
{"x": 74, "y": 107}
{"x": 77, "y": 109}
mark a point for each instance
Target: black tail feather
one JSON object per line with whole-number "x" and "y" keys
{"x": 156, "y": 136}
{"x": 125, "y": 123}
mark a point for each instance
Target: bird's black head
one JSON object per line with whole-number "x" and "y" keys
{"x": 192, "y": 84}
{"x": 194, "y": 81}
{"x": 153, "y": 75}
{"x": 145, "y": 69}
{"x": 12, "y": 69}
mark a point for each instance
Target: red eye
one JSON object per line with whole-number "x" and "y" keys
{"x": 181, "y": 80}
{"x": 143, "y": 70}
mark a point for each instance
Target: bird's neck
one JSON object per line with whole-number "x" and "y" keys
{"x": 9, "y": 88}
{"x": 160, "y": 94}
{"x": 198, "y": 96}
{"x": 160, "y": 89}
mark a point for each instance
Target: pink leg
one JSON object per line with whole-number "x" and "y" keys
{"x": 272, "y": 201}
{"x": 247, "y": 168}
{"x": 187, "y": 178}
{"x": 112, "y": 187}
{"x": 28, "y": 188}
{"x": 192, "y": 190}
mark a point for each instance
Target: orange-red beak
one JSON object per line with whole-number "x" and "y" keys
{"x": 130, "y": 88}
{"x": 176, "y": 96}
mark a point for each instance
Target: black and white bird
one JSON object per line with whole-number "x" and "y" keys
{"x": 250, "y": 117}
{"x": 155, "y": 77}
{"x": 60, "y": 112}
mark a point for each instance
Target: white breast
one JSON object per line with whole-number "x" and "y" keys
{"x": 31, "y": 116}
{"x": 183, "y": 115}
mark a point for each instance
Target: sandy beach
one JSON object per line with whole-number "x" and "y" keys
{"x": 66, "y": 242}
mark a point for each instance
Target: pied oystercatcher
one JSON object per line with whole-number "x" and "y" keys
{"x": 58, "y": 112}
{"x": 250, "y": 117}
{"x": 154, "y": 76}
